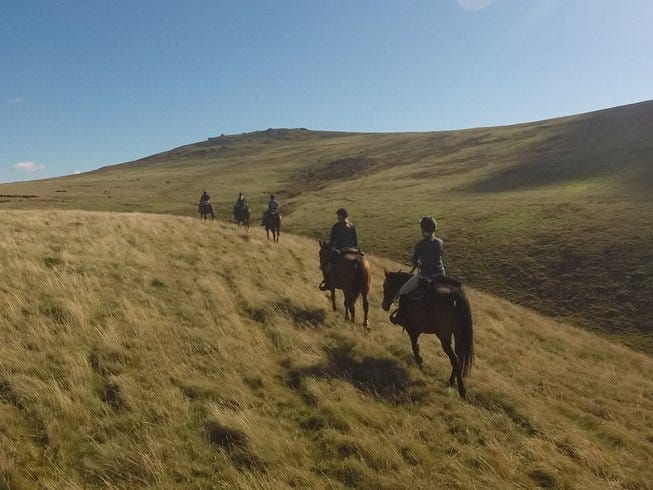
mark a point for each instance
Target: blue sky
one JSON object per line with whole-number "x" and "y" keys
{"x": 89, "y": 83}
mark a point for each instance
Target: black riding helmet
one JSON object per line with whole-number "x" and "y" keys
{"x": 428, "y": 223}
{"x": 342, "y": 212}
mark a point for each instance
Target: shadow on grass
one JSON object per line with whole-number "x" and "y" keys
{"x": 496, "y": 402}
{"x": 235, "y": 443}
{"x": 300, "y": 316}
{"x": 381, "y": 378}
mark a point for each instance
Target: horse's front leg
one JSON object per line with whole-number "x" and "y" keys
{"x": 333, "y": 300}
{"x": 267, "y": 232}
{"x": 413, "y": 340}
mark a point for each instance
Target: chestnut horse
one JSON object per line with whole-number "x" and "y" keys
{"x": 443, "y": 309}
{"x": 352, "y": 276}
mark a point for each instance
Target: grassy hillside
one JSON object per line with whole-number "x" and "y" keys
{"x": 554, "y": 214}
{"x": 159, "y": 351}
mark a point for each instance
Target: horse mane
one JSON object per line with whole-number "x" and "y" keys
{"x": 400, "y": 275}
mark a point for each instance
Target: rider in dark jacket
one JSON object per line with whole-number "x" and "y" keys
{"x": 273, "y": 204}
{"x": 205, "y": 197}
{"x": 343, "y": 232}
{"x": 241, "y": 202}
{"x": 343, "y": 236}
{"x": 428, "y": 257}
{"x": 273, "y": 208}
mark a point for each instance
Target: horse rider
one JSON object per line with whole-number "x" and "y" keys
{"x": 205, "y": 197}
{"x": 343, "y": 238}
{"x": 273, "y": 208}
{"x": 428, "y": 257}
{"x": 241, "y": 203}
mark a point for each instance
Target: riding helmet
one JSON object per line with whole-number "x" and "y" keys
{"x": 428, "y": 223}
{"x": 342, "y": 212}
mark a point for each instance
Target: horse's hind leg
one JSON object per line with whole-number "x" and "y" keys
{"x": 366, "y": 306}
{"x": 455, "y": 368}
{"x": 413, "y": 340}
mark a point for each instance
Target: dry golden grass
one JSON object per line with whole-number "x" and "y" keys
{"x": 160, "y": 351}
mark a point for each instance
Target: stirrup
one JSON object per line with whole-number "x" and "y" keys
{"x": 324, "y": 286}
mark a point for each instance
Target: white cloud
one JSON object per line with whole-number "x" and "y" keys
{"x": 29, "y": 166}
{"x": 474, "y": 4}
{"x": 15, "y": 100}
{"x": 77, "y": 172}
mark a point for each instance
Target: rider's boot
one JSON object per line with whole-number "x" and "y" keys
{"x": 399, "y": 316}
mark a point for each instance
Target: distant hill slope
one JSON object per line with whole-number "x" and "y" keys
{"x": 553, "y": 214}
{"x": 159, "y": 351}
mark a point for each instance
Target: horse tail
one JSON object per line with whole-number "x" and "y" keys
{"x": 464, "y": 332}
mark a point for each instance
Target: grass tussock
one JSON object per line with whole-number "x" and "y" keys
{"x": 158, "y": 351}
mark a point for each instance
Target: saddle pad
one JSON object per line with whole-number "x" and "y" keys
{"x": 349, "y": 250}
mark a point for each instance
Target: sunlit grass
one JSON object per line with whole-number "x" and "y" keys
{"x": 159, "y": 351}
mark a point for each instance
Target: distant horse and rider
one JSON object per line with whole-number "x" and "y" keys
{"x": 272, "y": 219}
{"x": 242, "y": 214}
{"x": 344, "y": 267}
{"x": 434, "y": 303}
{"x": 205, "y": 207}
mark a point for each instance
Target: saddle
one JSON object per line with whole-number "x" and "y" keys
{"x": 351, "y": 251}
{"x": 438, "y": 287}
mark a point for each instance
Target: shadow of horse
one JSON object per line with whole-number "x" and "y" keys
{"x": 442, "y": 310}
{"x": 352, "y": 275}
{"x": 204, "y": 209}
{"x": 242, "y": 216}
{"x": 381, "y": 378}
{"x": 272, "y": 222}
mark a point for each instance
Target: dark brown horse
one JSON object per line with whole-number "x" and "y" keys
{"x": 352, "y": 275}
{"x": 272, "y": 222}
{"x": 443, "y": 309}
{"x": 205, "y": 208}
{"x": 242, "y": 216}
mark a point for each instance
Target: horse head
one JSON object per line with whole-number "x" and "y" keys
{"x": 391, "y": 286}
{"x": 324, "y": 253}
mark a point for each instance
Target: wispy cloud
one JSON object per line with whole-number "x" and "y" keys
{"x": 15, "y": 100}
{"x": 77, "y": 172}
{"x": 474, "y": 4}
{"x": 29, "y": 166}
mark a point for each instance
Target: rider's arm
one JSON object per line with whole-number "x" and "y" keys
{"x": 355, "y": 237}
